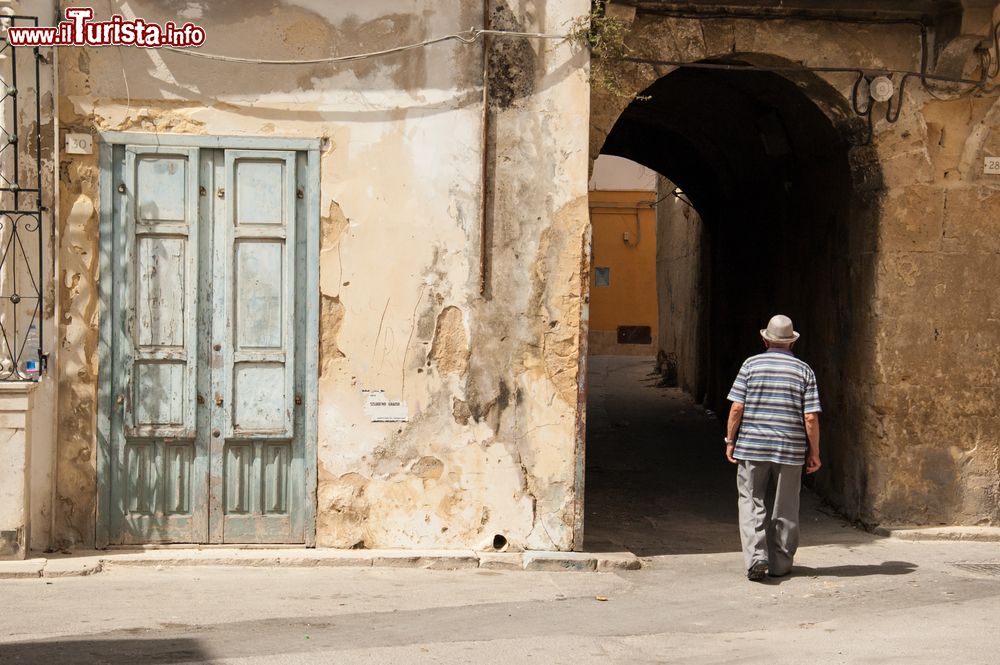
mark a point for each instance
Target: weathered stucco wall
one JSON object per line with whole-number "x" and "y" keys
{"x": 491, "y": 379}
{"x": 680, "y": 244}
{"x": 910, "y": 373}
{"x": 490, "y": 382}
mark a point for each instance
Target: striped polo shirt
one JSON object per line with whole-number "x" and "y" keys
{"x": 777, "y": 390}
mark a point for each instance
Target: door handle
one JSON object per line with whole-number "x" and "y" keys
{"x": 218, "y": 399}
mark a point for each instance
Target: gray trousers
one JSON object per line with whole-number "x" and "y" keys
{"x": 769, "y": 520}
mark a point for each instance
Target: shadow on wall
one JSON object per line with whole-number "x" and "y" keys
{"x": 452, "y": 69}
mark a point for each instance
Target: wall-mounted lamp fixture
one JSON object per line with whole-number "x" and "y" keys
{"x": 881, "y": 89}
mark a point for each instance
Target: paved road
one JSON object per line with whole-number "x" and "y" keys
{"x": 881, "y": 602}
{"x": 853, "y": 598}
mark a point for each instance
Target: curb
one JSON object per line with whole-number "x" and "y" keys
{"x": 98, "y": 561}
{"x": 981, "y": 534}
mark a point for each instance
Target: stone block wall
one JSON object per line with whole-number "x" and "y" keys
{"x": 935, "y": 450}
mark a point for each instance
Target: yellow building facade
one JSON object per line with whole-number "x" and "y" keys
{"x": 623, "y": 302}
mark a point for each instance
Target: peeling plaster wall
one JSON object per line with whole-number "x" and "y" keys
{"x": 490, "y": 382}
{"x": 910, "y": 433}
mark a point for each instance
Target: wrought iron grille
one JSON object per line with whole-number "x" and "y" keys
{"x": 21, "y": 233}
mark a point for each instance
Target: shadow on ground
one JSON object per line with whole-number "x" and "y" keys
{"x": 106, "y": 651}
{"x": 657, "y": 480}
{"x": 884, "y": 568}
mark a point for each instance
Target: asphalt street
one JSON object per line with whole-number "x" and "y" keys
{"x": 852, "y": 598}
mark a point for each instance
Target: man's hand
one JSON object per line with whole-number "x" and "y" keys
{"x": 730, "y": 447}
{"x": 812, "y": 463}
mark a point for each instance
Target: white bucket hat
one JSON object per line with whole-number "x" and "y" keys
{"x": 779, "y": 329}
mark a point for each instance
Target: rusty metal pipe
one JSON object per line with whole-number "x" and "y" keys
{"x": 484, "y": 166}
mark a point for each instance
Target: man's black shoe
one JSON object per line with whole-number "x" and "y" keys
{"x": 757, "y": 572}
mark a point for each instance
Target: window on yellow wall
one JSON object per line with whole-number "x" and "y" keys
{"x": 602, "y": 276}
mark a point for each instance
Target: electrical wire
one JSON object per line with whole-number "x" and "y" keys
{"x": 855, "y": 105}
{"x": 865, "y": 112}
{"x": 776, "y": 14}
{"x": 990, "y": 69}
{"x": 889, "y": 115}
{"x": 801, "y": 68}
{"x": 469, "y": 36}
{"x": 990, "y": 62}
{"x": 672, "y": 193}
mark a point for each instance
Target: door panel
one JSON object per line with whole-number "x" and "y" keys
{"x": 156, "y": 362}
{"x": 140, "y": 462}
{"x": 162, "y": 298}
{"x": 255, "y": 262}
{"x": 258, "y": 397}
{"x": 260, "y": 505}
{"x": 206, "y": 426}
{"x": 259, "y": 319}
{"x": 179, "y": 478}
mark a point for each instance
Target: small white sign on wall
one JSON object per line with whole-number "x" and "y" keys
{"x": 79, "y": 144}
{"x": 991, "y": 165}
{"x": 382, "y": 410}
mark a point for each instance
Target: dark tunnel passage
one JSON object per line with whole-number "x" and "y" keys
{"x": 785, "y": 213}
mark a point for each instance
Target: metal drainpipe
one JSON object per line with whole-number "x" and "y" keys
{"x": 484, "y": 166}
{"x": 53, "y": 364}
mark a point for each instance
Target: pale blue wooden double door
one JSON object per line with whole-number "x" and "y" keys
{"x": 206, "y": 423}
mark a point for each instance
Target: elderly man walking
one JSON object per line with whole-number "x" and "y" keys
{"x": 773, "y": 430}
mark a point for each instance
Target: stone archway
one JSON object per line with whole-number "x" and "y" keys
{"x": 786, "y": 202}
